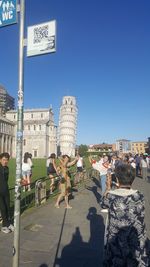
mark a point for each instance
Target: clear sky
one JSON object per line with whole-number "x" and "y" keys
{"x": 102, "y": 58}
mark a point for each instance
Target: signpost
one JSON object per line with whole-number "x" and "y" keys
{"x": 8, "y": 12}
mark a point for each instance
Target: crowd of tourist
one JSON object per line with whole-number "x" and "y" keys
{"x": 125, "y": 241}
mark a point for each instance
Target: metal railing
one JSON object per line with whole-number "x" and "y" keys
{"x": 27, "y": 198}
{"x": 40, "y": 191}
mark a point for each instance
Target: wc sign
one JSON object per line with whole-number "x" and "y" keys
{"x": 8, "y": 12}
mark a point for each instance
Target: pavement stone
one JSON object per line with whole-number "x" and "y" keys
{"x": 51, "y": 237}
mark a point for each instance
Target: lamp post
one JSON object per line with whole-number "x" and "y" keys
{"x": 19, "y": 139}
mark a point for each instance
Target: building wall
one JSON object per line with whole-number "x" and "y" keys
{"x": 7, "y": 102}
{"x": 68, "y": 126}
{"x": 39, "y": 132}
{"x": 123, "y": 146}
{"x": 7, "y": 138}
{"x": 138, "y": 147}
{"x": 103, "y": 148}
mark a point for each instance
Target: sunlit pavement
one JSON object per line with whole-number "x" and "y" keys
{"x": 52, "y": 237}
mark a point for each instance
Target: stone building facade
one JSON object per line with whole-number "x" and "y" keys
{"x": 138, "y": 147}
{"x": 39, "y": 133}
{"x": 7, "y": 138}
{"x": 123, "y": 146}
{"x": 67, "y": 128}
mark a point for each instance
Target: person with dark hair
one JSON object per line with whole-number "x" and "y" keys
{"x": 125, "y": 234}
{"x": 102, "y": 166}
{"x": 7, "y": 227}
{"x": 65, "y": 184}
{"x": 51, "y": 170}
{"x": 26, "y": 171}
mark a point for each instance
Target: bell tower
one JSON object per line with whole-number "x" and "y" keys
{"x": 67, "y": 128}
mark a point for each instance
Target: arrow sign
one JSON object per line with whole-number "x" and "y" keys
{"x": 8, "y": 12}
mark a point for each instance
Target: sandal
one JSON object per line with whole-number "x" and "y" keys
{"x": 57, "y": 206}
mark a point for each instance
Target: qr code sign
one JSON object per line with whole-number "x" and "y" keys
{"x": 40, "y": 33}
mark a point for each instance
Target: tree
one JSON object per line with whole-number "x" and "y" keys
{"x": 82, "y": 150}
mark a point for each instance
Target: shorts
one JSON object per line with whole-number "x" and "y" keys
{"x": 50, "y": 171}
{"x": 26, "y": 173}
{"x": 79, "y": 169}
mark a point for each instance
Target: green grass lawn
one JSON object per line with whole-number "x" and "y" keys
{"x": 39, "y": 170}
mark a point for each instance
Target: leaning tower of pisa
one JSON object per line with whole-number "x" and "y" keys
{"x": 67, "y": 126}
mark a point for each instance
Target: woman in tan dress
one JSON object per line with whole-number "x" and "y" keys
{"x": 65, "y": 185}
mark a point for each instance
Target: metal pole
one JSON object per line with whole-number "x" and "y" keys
{"x": 19, "y": 139}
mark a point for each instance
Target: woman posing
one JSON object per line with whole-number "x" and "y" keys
{"x": 65, "y": 185}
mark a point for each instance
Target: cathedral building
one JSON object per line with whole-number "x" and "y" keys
{"x": 39, "y": 132}
{"x": 7, "y": 139}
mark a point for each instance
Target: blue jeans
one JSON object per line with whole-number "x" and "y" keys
{"x": 103, "y": 183}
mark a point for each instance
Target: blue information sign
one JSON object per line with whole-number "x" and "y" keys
{"x": 8, "y": 12}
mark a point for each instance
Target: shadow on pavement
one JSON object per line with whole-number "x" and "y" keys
{"x": 80, "y": 253}
{"x": 95, "y": 192}
{"x": 97, "y": 182}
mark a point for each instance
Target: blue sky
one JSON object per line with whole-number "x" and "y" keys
{"x": 102, "y": 58}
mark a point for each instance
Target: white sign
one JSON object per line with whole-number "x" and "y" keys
{"x": 8, "y": 12}
{"x": 41, "y": 38}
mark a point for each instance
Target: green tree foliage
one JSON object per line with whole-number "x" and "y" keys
{"x": 82, "y": 150}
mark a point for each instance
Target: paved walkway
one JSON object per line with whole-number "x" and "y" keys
{"x": 52, "y": 237}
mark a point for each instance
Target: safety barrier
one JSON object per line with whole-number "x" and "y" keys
{"x": 40, "y": 192}
{"x": 28, "y": 199}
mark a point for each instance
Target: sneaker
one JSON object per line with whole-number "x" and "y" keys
{"x": 5, "y": 230}
{"x": 104, "y": 210}
{"x": 11, "y": 227}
